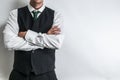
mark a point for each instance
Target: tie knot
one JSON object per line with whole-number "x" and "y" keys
{"x": 35, "y": 14}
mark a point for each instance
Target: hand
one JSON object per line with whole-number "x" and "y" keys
{"x": 22, "y": 34}
{"x": 54, "y": 30}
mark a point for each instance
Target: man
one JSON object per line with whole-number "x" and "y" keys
{"x": 34, "y": 32}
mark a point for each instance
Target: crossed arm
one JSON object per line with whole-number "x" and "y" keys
{"x": 30, "y": 40}
{"x": 51, "y": 39}
{"x": 53, "y": 31}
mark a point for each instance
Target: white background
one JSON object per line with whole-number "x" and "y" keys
{"x": 91, "y": 49}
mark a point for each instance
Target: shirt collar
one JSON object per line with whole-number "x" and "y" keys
{"x": 32, "y": 9}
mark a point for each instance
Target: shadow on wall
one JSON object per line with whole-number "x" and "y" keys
{"x": 7, "y": 57}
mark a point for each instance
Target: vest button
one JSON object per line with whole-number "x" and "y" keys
{"x": 33, "y": 51}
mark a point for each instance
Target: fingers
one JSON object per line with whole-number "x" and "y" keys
{"x": 22, "y": 34}
{"x": 54, "y": 30}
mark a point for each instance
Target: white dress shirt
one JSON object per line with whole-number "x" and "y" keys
{"x": 33, "y": 40}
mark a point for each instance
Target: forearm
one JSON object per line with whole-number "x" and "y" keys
{"x": 45, "y": 40}
{"x": 16, "y": 43}
{"x": 53, "y": 41}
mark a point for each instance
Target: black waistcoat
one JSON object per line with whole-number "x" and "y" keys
{"x": 39, "y": 60}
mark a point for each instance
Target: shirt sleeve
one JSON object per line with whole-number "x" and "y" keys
{"x": 11, "y": 39}
{"x": 48, "y": 41}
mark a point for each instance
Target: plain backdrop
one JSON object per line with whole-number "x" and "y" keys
{"x": 91, "y": 49}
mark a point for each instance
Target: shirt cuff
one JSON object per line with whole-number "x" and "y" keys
{"x": 34, "y": 38}
{"x": 30, "y": 35}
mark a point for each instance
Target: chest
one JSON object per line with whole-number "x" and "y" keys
{"x": 42, "y": 24}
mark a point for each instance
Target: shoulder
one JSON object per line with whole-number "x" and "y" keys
{"x": 49, "y": 9}
{"x": 23, "y": 8}
{"x": 15, "y": 10}
{"x": 55, "y": 11}
{"x": 13, "y": 13}
{"x": 58, "y": 13}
